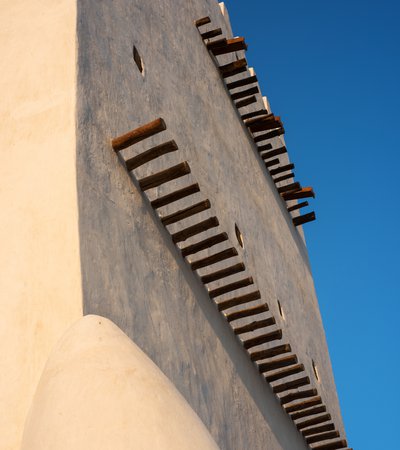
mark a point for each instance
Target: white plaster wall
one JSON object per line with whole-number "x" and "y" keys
{"x": 40, "y": 283}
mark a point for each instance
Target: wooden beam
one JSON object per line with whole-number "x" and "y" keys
{"x": 303, "y": 405}
{"x": 151, "y": 154}
{"x": 234, "y": 68}
{"x": 294, "y": 384}
{"x": 308, "y": 412}
{"x": 202, "y": 21}
{"x": 203, "y": 245}
{"x": 186, "y": 212}
{"x": 305, "y": 192}
{"x": 245, "y": 102}
{"x": 272, "y": 153}
{"x": 283, "y": 178}
{"x": 212, "y": 33}
{"x": 232, "y": 45}
{"x": 242, "y": 82}
{"x": 313, "y": 421}
{"x": 278, "y": 363}
{"x": 256, "y": 325}
{"x": 323, "y": 437}
{"x": 262, "y": 148}
{"x": 251, "y": 297}
{"x": 269, "y": 135}
{"x": 271, "y": 352}
{"x": 157, "y": 179}
{"x": 251, "y": 114}
{"x": 256, "y": 120}
{"x": 138, "y": 134}
{"x": 217, "y": 43}
{"x": 297, "y": 395}
{"x": 265, "y": 124}
{"x": 175, "y": 196}
{"x": 246, "y": 93}
{"x": 317, "y": 430}
{"x": 271, "y": 163}
{"x": 213, "y": 259}
{"x": 253, "y": 311}
{"x": 231, "y": 287}
{"x": 262, "y": 339}
{"x": 301, "y": 220}
{"x": 289, "y": 187}
{"x": 332, "y": 445}
{"x": 186, "y": 233}
{"x": 214, "y": 276}
{"x": 298, "y": 206}
{"x": 281, "y": 169}
{"x": 285, "y": 373}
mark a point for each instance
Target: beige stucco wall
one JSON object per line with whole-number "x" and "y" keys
{"x": 40, "y": 285}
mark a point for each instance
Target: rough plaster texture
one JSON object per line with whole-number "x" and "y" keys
{"x": 132, "y": 273}
{"x": 40, "y": 280}
{"x": 99, "y": 391}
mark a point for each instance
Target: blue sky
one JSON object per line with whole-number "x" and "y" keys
{"x": 331, "y": 70}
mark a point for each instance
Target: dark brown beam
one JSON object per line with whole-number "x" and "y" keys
{"x": 164, "y": 176}
{"x": 272, "y": 153}
{"x": 256, "y": 120}
{"x": 213, "y": 259}
{"x": 301, "y": 220}
{"x": 317, "y": 430}
{"x": 232, "y": 45}
{"x": 289, "y": 187}
{"x": 313, "y": 421}
{"x": 297, "y": 395}
{"x": 285, "y": 373}
{"x": 253, "y": 311}
{"x": 271, "y": 163}
{"x": 212, "y": 33}
{"x": 262, "y": 339}
{"x": 303, "y": 193}
{"x": 323, "y": 437}
{"x": 202, "y": 245}
{"x": 262, "y": 148}
{"x": 281, "y": 169}
{"x": 251, "y": 114}
{"x": 186, "y": 233}
{"x": 252, "y": 296}
{"x": 298, "y": 206}
{"x": 271, "y": 352}
{"x": 185, "y": 213}
{"x": 256, "y": 325}
{"x": 265, "y": 124}
{"x": 202, "y": 21}
{"x": 175, "y": 196}
{"x": 217, "y": 43}
{"x": 332, "y": 445}
{"x": 231, "y": 287}
{"x": 278, "y": 363}
{"x": 308, "y": 412}
{"x": 245, "y": 102}
{"x": 236, "y": 67}
{"x": 242, "y": 82}
{"x": 246, "y": 93}
{"x": 269, "y": 135}
{"x": 283, "y": 178}
{"x": 151, "y": 154}
{"x": 138, "y": 134}
{"x": 303, "y": 405}
{"x": 214, "y": 276}
{"x": 294, "y": 384}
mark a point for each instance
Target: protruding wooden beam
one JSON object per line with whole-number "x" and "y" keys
{"x": 256, "y": 325}
{"x": 246, "y": 93}
{"x": 262, "y": 148}
{"x": 285, "y": 373}
{"x": 294, "y": 384}
{"x": 265, "y": 124}
{"x": 271, "y": 163}
{"x": 305, "y": 218}
{"x": 323, "y": 437}
{"x": 231, "y": 287}
{"x": 308, "y": 412}
{"x": 298, "y": 206}
{"x": 213, "y": 259}
{"x": 283, "y": 178}
{"x": 217, "y": 43}
{"x": 281, "y": 169}
{"x": 317, "y": 430}
{"x": 314, "y": 421}
{"x": 242, "y": 82}
{"x": 138, "y": 134}
{"x": 175, "y": 196}
{"x": 262, "y": 339}
{"x": 269, "y": 135}
{"x": 234, "y": 68}
{"x": 305, "y": 192}
{"x": 151, "y": 154}
{"x": 202, "y": 245}
{"x": 186, "y": 212}
{"x": 259, "y": 119}
{"x": 245, "y": 102}
{"x": 186, "y": 233}
{"x": 157, "y": 179}
{"x": 272, "y": 153}
{"x": 303, "y": 405}
{"x": 289, "y": 187}
{"x": 202, "y": 21}
{"x": 212, "y": 33}
{"x": 251, "y": 114}
{"x": 332, "y": 445}
{"x": 252, "y": 296}
{"x": 278, "y": 363}
{"x": 271, "y": 353}
{"x": 232, "y": 45}
{"x": 297, "y": 395}
{"x": 253, "y": 311}
{"x": 214, "y": 276}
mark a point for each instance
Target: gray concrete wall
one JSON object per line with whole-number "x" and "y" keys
{"x": 132, "y": 273}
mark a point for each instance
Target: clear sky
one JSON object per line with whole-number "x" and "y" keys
{"x": 331, "y": 70}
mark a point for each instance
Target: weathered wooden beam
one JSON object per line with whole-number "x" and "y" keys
{"x": 234, "y": 68}
{"x": 232, "y": 45}
{"x": 281, "y": 169}
{"x": 283, "y": 178}
{"x": 217, "y": 43}
{"x": 262, "y": 148}
{"x": 223, "y": 273}
{"x": 186, "y": 212}
{"x": 278, "y": 363}
{"x": 294, "y": 384}
{"x": 301, "y": 220}
{"x": 203, "y": 245}
{"x": 265, "y": 124}
{"x": 251, "y": 114}
{"x": 305, "y": 192}
{"x": 202, "y": 21}
{"x": 297, "y": 395}
{"x": 262, "y": 339}
{"x": 317, "y": 430}
{"x": 271, "y": 352}
{"x": 245, "y": 102}
{"x": 285, "y": 373}
{"x": 303, "y": 405}
{"x": 213, "y": 259}
{"x": 252, "y": 296}
{"x": 256, "y": 325}
{"x": 332, "y": 445}
{"x": 269, "y": 135}
{"x": 272, "y": 153}
{"x": 231, "y": 287}
{"x": 157, "y": 179}
{"x": 246, "y": 93}
{"x": 188, "y": 232}
{"x": 175, "y": 196}
{"x": 308, "y": 412}
{"x": 313, "y": 421}
{"x": 323, "y": 437}
{"x": 298, "y": 206}
{"x": 212, "y": 33}
{"x": 138, "y": 134}
{"x": 253, "y": 311}
{"x": 151, "y": 154}
{"x": 242, "y": 82}
{"x": 271, "y": 163}
{"x": 259, "y": 119}
{"x": 289, "y": 187}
